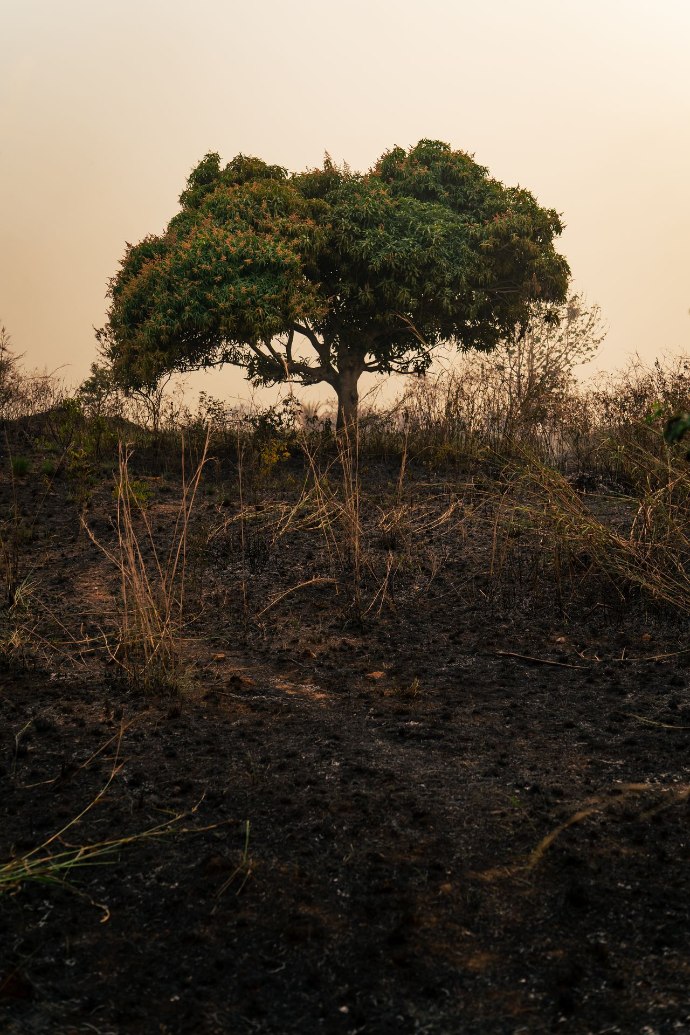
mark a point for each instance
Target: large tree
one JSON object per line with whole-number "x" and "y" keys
{"x": 326, "y": 274}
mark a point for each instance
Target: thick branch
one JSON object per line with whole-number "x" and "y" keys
{"x": 321, "y": 348}
{"x": 280, "y": 360}
{"x": 285, "y": 367}
{"x": 308, "y": 333}
{"x": 288, "y": 345}
{"x": 268, "y": 359}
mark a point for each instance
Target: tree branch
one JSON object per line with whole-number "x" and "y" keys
{"x": 272, "y": 358}
{"x": 280, "y": 360}
{"x": 288, "y": 345}
{"x": 308, "y": 333}
{"x": 286, "y": 368}
{"x": 418, "y": 334}
{"x": 321, "y": 348}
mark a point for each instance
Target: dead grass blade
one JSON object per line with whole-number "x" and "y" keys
{"x": 44, "y": 865}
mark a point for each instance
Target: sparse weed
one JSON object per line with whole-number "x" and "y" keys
{"x": 411, "y": 691}
{"x": 81, "y": 474}
{"x": 52, "y": 864}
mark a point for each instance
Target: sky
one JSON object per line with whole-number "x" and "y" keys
{"x": 105, "y": 107}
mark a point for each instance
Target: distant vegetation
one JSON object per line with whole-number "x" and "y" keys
{"x": 513, "y": 433}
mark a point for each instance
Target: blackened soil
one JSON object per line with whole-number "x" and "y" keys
{"x": 467, "y": 812}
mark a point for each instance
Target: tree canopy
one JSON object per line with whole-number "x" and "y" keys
{"x": 322, "y": 275}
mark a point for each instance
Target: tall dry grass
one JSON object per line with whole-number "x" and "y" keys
{"x": 152, "y": 615}
{"x": 638, "y": 542}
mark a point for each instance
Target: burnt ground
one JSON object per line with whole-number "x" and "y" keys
{"x": 465, "y": 810}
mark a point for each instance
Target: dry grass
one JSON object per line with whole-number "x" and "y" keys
{"x": 646, "y": 547}
{"x": 152, "y": 617}
{"x": 532, "y": 479}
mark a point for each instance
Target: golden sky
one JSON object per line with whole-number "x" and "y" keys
{"x": 106, "y": 106}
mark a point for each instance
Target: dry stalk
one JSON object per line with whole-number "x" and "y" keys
{"x": 603, "y": 806}
{"x": 152, "y": 583}
{"x": 335, "y": 506}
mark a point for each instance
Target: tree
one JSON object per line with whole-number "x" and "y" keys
{"x": 102, "y": 397}
{"x": 534, "y": 368}
{"x": 323, "y": 275}
{"x": 10, "y": 374}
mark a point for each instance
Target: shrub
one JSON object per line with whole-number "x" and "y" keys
{"x": 21, "y": 466}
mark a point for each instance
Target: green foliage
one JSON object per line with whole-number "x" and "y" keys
{"x": 10, "y": 375}
{"x": 275, "y": 422}
{"x": 273, "y": 452}
{"x": 81, "y": 474}
{"x": 65, "y": 422}
{"x": 20, "y": 466}
{"x": 139, "y": 493}
{"x": 97, "y": 389}
{"x": 368, "y": 272}
{"x": 677, "y": 428}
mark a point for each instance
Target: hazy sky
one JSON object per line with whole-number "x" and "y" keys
{"x": 106, "y": 106}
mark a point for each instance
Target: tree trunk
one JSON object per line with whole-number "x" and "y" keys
{"x": 348, "y": 399}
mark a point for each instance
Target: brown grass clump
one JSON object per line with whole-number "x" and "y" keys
{"x": 152, "y": 617}
{"x": 646, "y": 547}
